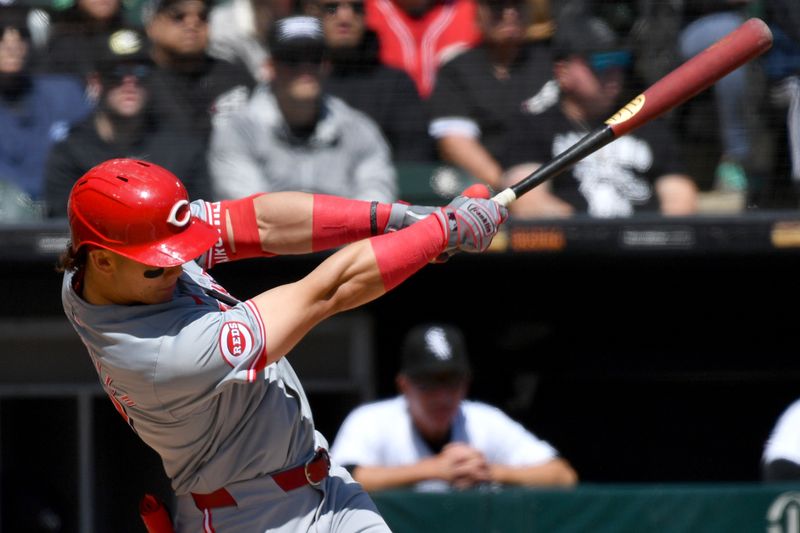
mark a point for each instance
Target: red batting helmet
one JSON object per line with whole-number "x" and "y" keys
{"x": 138, "y": 210}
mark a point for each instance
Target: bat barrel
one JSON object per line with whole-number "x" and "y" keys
{"x": 748, "y": 41}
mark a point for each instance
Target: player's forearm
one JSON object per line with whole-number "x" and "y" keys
{"x": 362, "y": 271}
{"x": 470, "y": 155}
{"x": 351, "y": 277}
{"x": 292, "y": 223}
{"x": 553, "y": 473}
{"x": 284, "y": 221}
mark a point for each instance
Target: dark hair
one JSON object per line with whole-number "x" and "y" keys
{"x": 70, "y": 259}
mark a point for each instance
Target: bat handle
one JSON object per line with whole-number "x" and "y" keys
{"x": 505, "y": 197}
{"x": 589, "y": 143}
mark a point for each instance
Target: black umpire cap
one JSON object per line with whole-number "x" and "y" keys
{"x": 435, "y": 349}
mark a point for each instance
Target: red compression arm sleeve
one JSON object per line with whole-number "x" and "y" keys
{"x": 237, "y": 218}
{"x": 335, "y": 221}
{"x": 338, "y": 221}
{"x": 402, "y": 253}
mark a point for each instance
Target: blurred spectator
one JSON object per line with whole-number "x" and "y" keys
{"x": 357, "y": 76}
{"x": 418, "y": 36}
{"x": 293, "y": 136}
{"x": 16, "y": 206}
{"x": 781, "y": 458}
{"x": 782, "y": 68}
{"x": 121, "y": 126}
{"x": 478, "y": 93}
{"x": 431, "y": 437}
{"x": 640, "y": 171}
{"x": 238, "y": 30}
{"x": 541, "y": 23}
{"x": 36, "y": 110}
{"x": 189, "y": 88}
{"x": 654, "y": 39}
{"x": 77, "y": 33}
{"x": 704, "y": 23}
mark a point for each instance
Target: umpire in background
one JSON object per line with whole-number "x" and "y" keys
{"x": 432, "y": 438}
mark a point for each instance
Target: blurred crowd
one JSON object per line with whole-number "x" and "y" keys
{"x": 382, "y": 99}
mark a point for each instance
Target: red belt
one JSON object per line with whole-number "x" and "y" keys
{"x": 311, "y": 473}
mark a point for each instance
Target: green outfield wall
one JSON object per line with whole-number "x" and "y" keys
{"x": 726, "y": 508}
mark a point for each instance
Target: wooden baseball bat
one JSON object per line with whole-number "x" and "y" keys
{"x": 746, "y": 42}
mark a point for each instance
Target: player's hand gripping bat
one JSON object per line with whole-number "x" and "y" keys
{"x": 747, "y": 42}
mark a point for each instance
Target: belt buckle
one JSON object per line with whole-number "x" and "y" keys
{"x": 321, "y": 452}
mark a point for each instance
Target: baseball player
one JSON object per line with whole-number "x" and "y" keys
{"x": 201, "y": 376}
{"x": 432, "y": 438}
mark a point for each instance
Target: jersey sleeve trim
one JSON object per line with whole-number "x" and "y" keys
{"x": 259, "y": 362}
{"x": 208, "y": 261}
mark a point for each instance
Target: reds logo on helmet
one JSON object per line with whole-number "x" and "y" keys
{"x": 235, "y": 342}
{"x": 173, "y": 219}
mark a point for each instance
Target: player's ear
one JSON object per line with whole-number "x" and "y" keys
{"x": 101, "y": 260}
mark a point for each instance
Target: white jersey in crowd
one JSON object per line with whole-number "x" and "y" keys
{"x": 381, "y": 434}
{"x": 784, "y": 441}
{"x": 190, "y": 377}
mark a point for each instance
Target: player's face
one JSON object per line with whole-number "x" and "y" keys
{"x": 137, "y": 283}
{"x": 433, "y": 402}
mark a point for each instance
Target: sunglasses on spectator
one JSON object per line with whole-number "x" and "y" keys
{"x": 117, "y": 75}
{"x": 331, "y": 8}
{"x": 179, "y": 17}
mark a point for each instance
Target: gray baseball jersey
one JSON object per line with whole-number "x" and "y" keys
{"x": 190, "y": 377}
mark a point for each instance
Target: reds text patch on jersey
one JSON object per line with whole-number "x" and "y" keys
{"x": 235, "y": 341}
